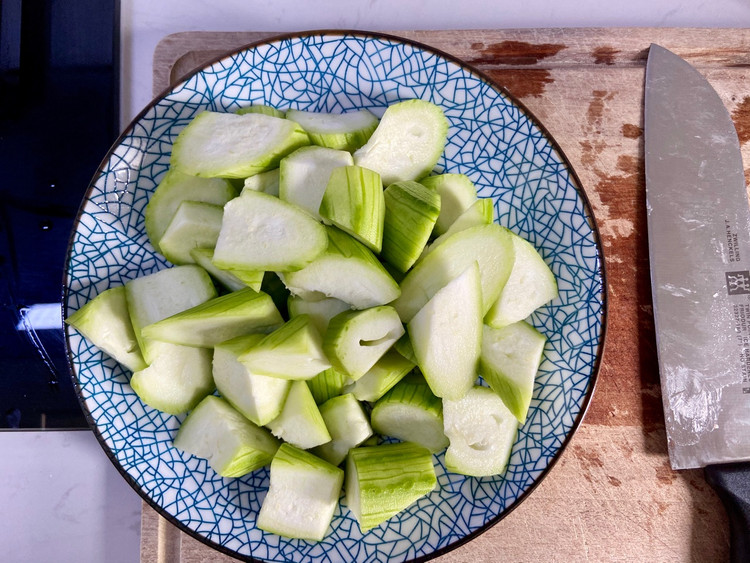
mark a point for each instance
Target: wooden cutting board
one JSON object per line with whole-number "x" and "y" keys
{"x": 612, "y": 496}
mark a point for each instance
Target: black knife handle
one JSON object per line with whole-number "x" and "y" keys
{"x": 731, "y": 481}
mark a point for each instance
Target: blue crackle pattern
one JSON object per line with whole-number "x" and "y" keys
{"x": 491, "y": 139}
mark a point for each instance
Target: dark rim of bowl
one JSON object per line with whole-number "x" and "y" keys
{"x": 596, "y": 365}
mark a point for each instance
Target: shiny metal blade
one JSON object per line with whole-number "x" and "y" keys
{"x": 699, "y": 245}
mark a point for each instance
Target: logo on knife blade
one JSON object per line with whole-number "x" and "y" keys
{"x": 738, "y": 283}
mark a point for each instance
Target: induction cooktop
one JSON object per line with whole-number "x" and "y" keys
{"x": 59, "y": 68}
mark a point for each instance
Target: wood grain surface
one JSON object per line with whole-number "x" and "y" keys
{"x": 612, "y": 496}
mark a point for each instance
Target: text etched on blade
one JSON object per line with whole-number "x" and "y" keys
{"x": 742, "y": 330}
{"x": 732, "y": 242}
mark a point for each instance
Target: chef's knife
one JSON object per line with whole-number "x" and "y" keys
{"x": 699, "y": 247}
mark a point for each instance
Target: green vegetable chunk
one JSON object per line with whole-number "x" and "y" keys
{"x": 343, "y": 131}
{"x": 480, "y": 213}
{"x": 509, "y": 363}
{"x": 355, "y": 340}
{"x": 381, "y": 481}
{"x": 105, "y": 322}
{"x": 204, "y": 257}
{"x": 305, "y": 174}
{"x": 300, "y": 422}
{"x": 403, "y": 346}
{"x": 327, "y": 384}
{"x": 348, "y": 271}
{"x": 481, "y": 431}
{"x": 219, "y": 319}
{"x": 231, "y": 145}
{"x": 407, "y": 143}
{"x": 261, "y": 232}
{"x": 354, "y": 202}
{"x": 410, "y": 412}
{"x": 259, "y": 398}
{"x": 194, "y": 225}
{"x": 491, "y": 246}
{"x": 446, "y": 335}
{"x": 233, "y": 445}
{"x": 293, "y": 351}
{"x": 267, "y": 182}
{"x": 250, "y": 278}
{"x": 302, "y": 495}
{"x": 176, "y": 187}
{"x": 410, "y": 214}
{"x": 531, "y": 284}
{"x": 157, "y": 296}
{"x": 381, "y": 377}
{"x": 457, "y": 194}
{"x": 233, "y": 280}
{"x": 177, "y": 379}
{"x": 321, "y": 312}
{"x": 348, "y": 425}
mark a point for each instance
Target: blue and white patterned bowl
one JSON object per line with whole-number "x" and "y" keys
{"x": 492, "y": 139}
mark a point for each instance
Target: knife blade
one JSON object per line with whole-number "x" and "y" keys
{"x": 699, "y": 250}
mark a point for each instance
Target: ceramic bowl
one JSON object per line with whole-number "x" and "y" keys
{"x": 492, "y": 139}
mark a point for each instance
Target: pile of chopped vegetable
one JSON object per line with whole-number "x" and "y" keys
{"x": 336, "y": 317}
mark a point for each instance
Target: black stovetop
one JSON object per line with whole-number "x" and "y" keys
{"x": 59, "y": 68}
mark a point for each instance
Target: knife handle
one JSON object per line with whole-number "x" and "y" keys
{"x": 731, "y": 481}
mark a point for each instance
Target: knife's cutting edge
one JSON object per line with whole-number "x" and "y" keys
{"x": 699, "y": 245}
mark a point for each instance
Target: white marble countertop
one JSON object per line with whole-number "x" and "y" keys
{"x": 61, "y": 499}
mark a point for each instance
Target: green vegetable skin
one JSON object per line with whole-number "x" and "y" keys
{"x": 343, "y": 131}
{"x": 353, "y": 201}
{"x": 411, "y": 211}
{"x": 344, "y": 342}
{"x": 326, "y": 385}
{"x": 293, "y": 351}
{"x": 219, "y": 319}
{"x": 383, "y": 480}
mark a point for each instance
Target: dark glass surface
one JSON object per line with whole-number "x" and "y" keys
{"x": 58, "y": 116}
